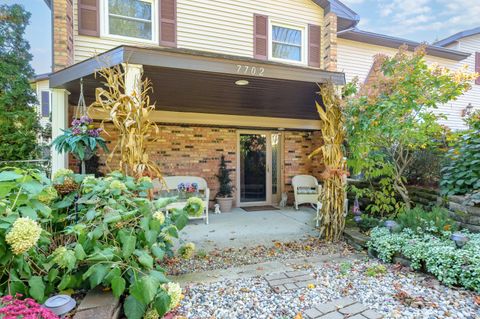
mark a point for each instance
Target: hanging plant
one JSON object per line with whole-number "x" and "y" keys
{"x": 82, "y": 139}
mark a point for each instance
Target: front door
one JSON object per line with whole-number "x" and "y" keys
{"x": 258, "y": 168}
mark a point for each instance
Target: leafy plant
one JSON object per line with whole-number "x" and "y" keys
{"x": 345, "y": 267}
{"x": 437, "y": 253}
{"x": 461, "y": 171}
{"x": 419, "y": 220}
{"x": 392, "y": 116}
{"x": 367, "y": 223}
{"x": 107, "y": 232}
{"x": 223, "y": 176}
{"x": 381, "y": 195}
{"x": 376, "y": 271}
{"x": 82, "y": 139}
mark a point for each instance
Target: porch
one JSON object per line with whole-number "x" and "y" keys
{"x": 209, "y": 105}
{"x": 239, "y": 228}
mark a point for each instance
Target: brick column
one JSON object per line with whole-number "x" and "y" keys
{"x": 62, "y": 34}
{"x": 330, "y": 42}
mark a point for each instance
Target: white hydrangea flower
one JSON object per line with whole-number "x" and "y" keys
{"x": 159, "y": 216}
{"x": 174, "y": 290}
{"x": 24, "y": 234}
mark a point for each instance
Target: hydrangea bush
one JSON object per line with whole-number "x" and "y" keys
{"x": 104, "y": 232}
{"x": 437, "y": 254}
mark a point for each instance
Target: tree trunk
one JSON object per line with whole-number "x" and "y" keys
{"x": 402, "y": 190}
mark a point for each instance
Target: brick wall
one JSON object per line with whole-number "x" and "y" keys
{"x": 297, "y": 147}
{"x": 62, "y": 42}
{"x": 196, "y": 150}
{"x": 330, "y": 42}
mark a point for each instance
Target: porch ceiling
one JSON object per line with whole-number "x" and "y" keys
{"x": 185, "y": 81}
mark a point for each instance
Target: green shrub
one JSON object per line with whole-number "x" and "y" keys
{"x": 112, "y": 236}
{"x": 437, "y": 253}
{"x": 461, "y": 172}
{"x": 420, "y": 220}
{"x": 367, "y": 223}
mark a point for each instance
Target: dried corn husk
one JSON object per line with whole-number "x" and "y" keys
{"x": 130, "y": 114}
{"x": 331, "y": 154}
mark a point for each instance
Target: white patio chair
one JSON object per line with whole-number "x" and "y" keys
{"x": 172, "y": 183}
{"x": 307, "y": 191}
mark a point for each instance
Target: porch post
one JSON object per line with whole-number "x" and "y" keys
{"x": 59, "y": 122}
{"x": 133, "y": 78}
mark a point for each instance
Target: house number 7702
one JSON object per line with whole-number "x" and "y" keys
{"x": 250, "y": 70}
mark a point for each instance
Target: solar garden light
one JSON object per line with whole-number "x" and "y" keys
{"x": 391, "y": 225}
{"x": 60, "y": 304}
{"x": 459, "y": 239}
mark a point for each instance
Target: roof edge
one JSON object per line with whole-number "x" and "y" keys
{"x": 457, "y": 36}
{"x": 394, "y": 42}
{"x": 346, "y": 16}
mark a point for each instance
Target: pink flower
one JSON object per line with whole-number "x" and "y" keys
{"x": 16, "y": 308}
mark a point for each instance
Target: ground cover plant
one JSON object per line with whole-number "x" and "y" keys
{"x": 424, "y": 238}
{"x": 93, "y": 231}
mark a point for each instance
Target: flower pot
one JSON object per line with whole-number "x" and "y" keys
{"x": 225, "y": 204}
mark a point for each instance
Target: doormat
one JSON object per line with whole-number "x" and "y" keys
{"x": 259, "y": 208}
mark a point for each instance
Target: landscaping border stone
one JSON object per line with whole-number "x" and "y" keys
{"x": 98, "y": 304}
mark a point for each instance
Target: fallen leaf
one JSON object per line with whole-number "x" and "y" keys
{"x": 476, "y": 299}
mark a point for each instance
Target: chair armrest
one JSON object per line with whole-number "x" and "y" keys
{"x": 207, "y": 194}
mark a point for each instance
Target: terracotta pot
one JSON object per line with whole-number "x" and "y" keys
{"x": 225, "y": 204}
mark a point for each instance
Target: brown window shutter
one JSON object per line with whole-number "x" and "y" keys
{"x": 314, "y": 45}
{"x": 260, "y": 37}
{"x": 168, "y": 23}
{"x": 477, "y": 66}
{"x": 89, "y": 17}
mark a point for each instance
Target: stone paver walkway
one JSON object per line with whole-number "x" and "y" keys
{"x": 289, "y": 280}
{"x": 341, "y": 309}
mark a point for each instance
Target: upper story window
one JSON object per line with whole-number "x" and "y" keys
{"x": 287, "y": 43}
{"x": 45, "y": 103}
{"x": 133, "y": 19}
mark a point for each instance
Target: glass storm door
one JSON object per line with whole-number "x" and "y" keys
{"x": 258, "y": 168}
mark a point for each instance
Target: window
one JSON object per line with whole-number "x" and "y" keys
{"x": 288, "y": 43}
{"x": 45, "y": 103}
{"x": 130, "y": 18}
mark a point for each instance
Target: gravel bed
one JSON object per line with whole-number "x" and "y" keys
{"x": 398, "y": 293}
{"x": 232, "y": 257}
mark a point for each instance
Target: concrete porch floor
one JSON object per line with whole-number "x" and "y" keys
{"x": 239, "y": 228}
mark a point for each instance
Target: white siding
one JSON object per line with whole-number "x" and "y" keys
{"x": 40, "y": 86}
{"x": 221, "y": 26}
{"x": 356, "y": 58}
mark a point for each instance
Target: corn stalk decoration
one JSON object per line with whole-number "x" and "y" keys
{"x": 130, "y": 114}
{"x": 331, "y": 152}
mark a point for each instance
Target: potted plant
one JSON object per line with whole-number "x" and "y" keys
{"x": 82, "y": 139}
{"x": 224, "y": 195}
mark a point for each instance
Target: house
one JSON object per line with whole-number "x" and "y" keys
{"x": 467, "y": 41}
{"x": 237, "y": 78}
{"x": 232, "y": 78}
